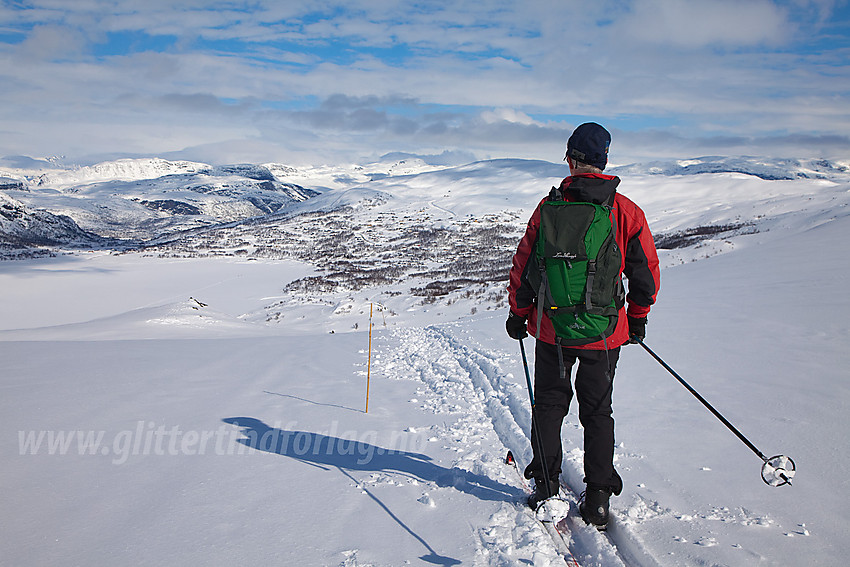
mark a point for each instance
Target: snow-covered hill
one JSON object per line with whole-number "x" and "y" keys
{"x": 12, "y": 184}
{"x": 767, "y": 169}
{"x": 23, "y": 230}
{"x": 120, "y": 170}
{"x": 138, "y": 199}
{"x": 200, "y": 400}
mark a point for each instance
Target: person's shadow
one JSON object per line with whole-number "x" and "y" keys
{"x": 345, "y": 455}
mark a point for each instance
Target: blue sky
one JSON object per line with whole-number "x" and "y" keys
{"x": 329, "y": 81}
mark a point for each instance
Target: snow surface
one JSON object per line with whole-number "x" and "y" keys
{"x": 180, "y": 424}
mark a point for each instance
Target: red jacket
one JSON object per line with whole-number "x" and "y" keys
{"x": 639, "y": 264}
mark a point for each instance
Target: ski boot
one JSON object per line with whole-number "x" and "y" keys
{"x": 541, "y": 492}
{"x": 594, "y": 507}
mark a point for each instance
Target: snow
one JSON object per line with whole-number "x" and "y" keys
{"x": 120, "y": 170}
{"x": 138, "y": 199}
{"x": 166, "y": 410}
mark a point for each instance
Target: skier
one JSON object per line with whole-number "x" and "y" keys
{"x": 587, "y": 156}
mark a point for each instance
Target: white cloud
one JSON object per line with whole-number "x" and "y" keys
{"x": 695, "y": 24}
{"x": 507, "y": 115}
{"x": 439, "y": 76}
{"x": 50, "y": 42}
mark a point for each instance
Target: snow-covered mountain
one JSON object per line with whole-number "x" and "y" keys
{"x": 138, "y": 199}
{"x": 25, "y": 232}
{"x": 12, "y": 184}
{"x": 768, "y": 169}
{"x": 119, "y": 170}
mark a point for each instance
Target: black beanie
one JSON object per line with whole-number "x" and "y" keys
{"x": 589, "y": 144}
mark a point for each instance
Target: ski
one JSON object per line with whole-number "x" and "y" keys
{"x": 584, "y": 536}
{"x": 546, "y": 515}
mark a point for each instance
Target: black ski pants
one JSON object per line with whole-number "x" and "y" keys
{"x": 553, "y": 393}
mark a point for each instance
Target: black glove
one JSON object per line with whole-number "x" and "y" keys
{"x": 515, "y": 326}
{"x": 637, "y": 329}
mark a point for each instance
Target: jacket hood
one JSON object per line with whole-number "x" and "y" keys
{"x": 590, "y": 187}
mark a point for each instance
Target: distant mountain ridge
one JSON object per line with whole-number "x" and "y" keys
{"x": 138, "y": 199}
{"x": 135, "y": 201}
{"x": 768, "y": 169}
{"x": 119, "y": 170}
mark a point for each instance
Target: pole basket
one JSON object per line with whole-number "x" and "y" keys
{"x": 778, "y": 470}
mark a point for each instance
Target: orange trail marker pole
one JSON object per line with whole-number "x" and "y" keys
{"x": 369, "y": 359}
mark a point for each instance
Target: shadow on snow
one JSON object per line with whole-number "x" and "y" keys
{"x": 347, "y": 455}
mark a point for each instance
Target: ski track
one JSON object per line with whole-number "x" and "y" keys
{"x": 494, "y": 417}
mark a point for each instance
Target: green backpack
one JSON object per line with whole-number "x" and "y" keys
{"x": 575, "y": 270}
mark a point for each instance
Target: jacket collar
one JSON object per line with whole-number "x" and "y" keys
{"x": 590, "y": 187}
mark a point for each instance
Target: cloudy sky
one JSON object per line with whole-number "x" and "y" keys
{"x": 329, "y": 81}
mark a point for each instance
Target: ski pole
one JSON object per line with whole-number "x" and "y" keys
{"x": 779, "y": 467}
{"x": 534, "y": 425}
{"x": 369, "y": 359}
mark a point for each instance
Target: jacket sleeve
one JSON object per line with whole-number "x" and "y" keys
{"x": 641, "y": 268}
{"x": 520, "y": 294}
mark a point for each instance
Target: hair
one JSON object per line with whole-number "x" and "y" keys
{"x": 581, "y": 167}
